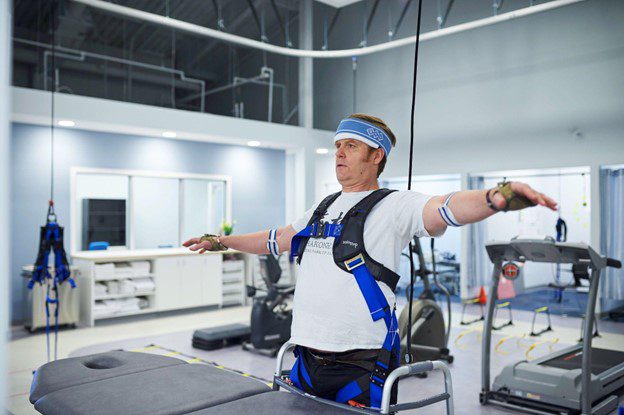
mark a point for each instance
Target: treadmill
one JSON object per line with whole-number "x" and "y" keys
{"x": 579, "y": 379}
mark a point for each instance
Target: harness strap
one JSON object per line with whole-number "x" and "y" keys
{"x": 299, "y": 367}
{"x": 379, "y": 308}
{"x": 374, "y": 297}
{"x": 300, "y": 240}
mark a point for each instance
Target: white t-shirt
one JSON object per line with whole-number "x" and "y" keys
{"x": 329, "y": 311}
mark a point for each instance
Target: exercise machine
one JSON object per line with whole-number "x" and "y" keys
{"x": 579, "y": 379}
{"x": 271, "y": 315}
{"x": 429, "y": 333}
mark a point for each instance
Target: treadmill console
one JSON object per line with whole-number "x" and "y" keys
{"x": 543, "y": 250}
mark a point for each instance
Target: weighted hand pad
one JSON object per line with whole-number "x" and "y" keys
{"x": 512, "y": 200}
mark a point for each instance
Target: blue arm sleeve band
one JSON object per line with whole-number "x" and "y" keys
{"x": 447, "y": 214}
{"x": 272, "y": 242}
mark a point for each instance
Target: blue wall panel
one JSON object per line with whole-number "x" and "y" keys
{"x": 258, "y": 184}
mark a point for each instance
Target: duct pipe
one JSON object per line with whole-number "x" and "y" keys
{"x": 79, "y": 55}
{"x": 266, "y": 71}
{"x": 320, "y": 54}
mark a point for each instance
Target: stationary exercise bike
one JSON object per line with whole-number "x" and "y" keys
{"x": 271, "y": 316}
{"x": 429, "y": 333}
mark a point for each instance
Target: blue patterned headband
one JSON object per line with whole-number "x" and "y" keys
{"x": 365, "y": 132}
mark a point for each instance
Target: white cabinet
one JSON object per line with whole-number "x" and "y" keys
{"x": 167, "y": 277}
{"x": 190, "y": 281}
{"x": 234, "y": 281}
{"x": 212, "y": 279}
{"x": 182, "y": 280}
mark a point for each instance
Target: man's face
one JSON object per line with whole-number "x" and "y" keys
{"x": 356, "y": 162}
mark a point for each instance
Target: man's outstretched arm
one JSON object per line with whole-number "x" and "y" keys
{"x": 470, "y": 206}
{"x": 252, "y": 243}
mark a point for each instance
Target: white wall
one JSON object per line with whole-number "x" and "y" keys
{"x": 5, "y": 111}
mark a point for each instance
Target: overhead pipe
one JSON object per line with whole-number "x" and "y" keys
{"x": 80, "y": 55}
{"x": 319, "y": 54}
{"x": 266, "y": 77}
{"x": 268, "y": 72}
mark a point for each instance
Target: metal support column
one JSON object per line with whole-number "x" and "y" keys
{"x": 306, "y": 97}
{"x": 5, "y": 174}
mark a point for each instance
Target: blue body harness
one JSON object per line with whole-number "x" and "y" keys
{"x": 350, "y": 255}
{"x": 51, "y": 239}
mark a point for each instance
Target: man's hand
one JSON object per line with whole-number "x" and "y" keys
{"x": 523, "y": 189}
{"x": 196, "y": 244}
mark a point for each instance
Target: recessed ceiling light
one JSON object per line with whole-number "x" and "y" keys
{"x": 253, "y": 143}
{"x": 322, "y": 151}
{"x": 66, "y": 123}
{"x": 169, "y": 134}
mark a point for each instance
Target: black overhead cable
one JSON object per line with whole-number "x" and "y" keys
{"x": 281, "y": 23}
{"x": 403, "y": 12}
{"x": 442, "y": 20}
{"x": 370, "y": 16}
{"x": 333, "y": 21}
{"x": 408, "y": 356}
{"x": 257, "y": 19}
{"x": 53, "y": 10}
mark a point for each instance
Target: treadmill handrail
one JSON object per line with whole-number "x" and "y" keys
{"x": 614, "y": 263}
{"x": 545, "y": 251}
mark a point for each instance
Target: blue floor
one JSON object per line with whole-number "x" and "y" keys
{"x": 573, "y": 303}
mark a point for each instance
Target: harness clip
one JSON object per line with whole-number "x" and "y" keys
{"x": 319, "y": 230}
{"x": 376, "y": 381}
{"x": 380, "y": 372}
{"x": 354, "y": 262}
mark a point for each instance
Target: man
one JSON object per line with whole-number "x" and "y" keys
{"x": 344, "y": 321}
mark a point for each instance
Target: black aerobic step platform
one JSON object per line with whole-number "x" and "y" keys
{"x": 217, "y": 337}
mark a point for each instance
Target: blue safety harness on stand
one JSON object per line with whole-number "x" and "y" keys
{"x": 562, "y": 236}
{"x": 51, "y": 239}
{"x": 350, "y": 255}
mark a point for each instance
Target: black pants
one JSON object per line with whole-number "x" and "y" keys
{"x": 329, "y": 372}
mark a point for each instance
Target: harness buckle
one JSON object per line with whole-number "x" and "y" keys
{"x": 380, "y": 371}
{"x": 375, "y": 381}
{"x": 319, "y": 230}
{"x": 354, "y": 262}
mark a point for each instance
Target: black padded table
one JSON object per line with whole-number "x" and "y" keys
{"x": 274, "y": 403}
{"x": 135, "y": 383}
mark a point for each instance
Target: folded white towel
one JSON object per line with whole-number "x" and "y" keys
{"x": 140, "y": 268}
{"x": 100, "y": 289}
{"x": 104, "y": 270}
{"x": 113, "y": 287}
{"x": 126, "y": 287}
{"x": 123, "y": 270}
{"x": 143, "y": 284}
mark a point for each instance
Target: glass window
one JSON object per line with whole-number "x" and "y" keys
{"x": 155, "y": 212}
